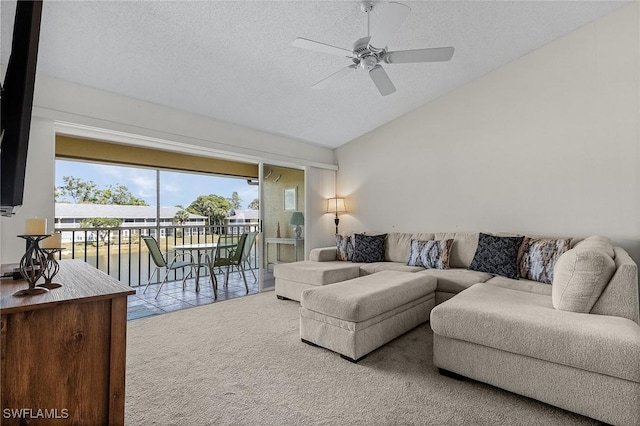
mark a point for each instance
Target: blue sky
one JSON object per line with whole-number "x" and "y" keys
{"x": 175, "y": 187}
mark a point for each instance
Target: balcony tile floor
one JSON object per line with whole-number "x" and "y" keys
{"x": 173, "y": 298}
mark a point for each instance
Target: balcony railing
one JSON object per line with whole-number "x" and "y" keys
{"x": 121, "y": 253}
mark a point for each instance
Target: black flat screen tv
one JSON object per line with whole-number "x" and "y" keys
{"x": 16, "y": 104}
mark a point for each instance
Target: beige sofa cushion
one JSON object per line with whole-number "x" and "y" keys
{"x": 526, "y": 324}
{"x": 521, "y": 285}
{"x": 620, "y": 297}
{"x": 579, "y": 277}
{"x": 455, "y": 280}
{"x": 597, "y": 242}
{"x": 372, "y": 268}
{"x": 317, "y": 273}
{"x": 366, "y": 297}
{"x": 351, "y": 326}
{"x": 398, "y": 245}
{"x": 323, "y": 254}
{"x": 463, "y": 248}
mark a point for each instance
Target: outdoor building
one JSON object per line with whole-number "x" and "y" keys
{"x": 248, "y": 218}
{"x": 71, "y": 216}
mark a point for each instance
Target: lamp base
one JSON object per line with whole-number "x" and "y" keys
{"x": 298, "y": 232}
{"x": 336, "y": 221}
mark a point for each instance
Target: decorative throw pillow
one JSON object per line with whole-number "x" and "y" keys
{"x": 368, "y": 248}
{"x": 345, "y": 247}
{"x": 540, "y": 256}
{"x": 497, "y": 255}
{"x": 430, "y": 254}
{"x": 415, "y": 248}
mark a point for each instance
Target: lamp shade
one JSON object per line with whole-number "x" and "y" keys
{"x": 336, "y": 205}
{"x": 297, "y": 218}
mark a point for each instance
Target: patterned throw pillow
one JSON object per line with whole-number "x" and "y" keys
{"x": 539, "y": 257}
{"x": 345, "y": 247}
{"x": 368, "y": 248}
{"x": 430, "y": 254}
{"x": 497, "y": 255}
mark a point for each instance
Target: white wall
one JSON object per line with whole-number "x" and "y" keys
{"x": 64, "y": 101}
{"x": 548, "y": 144}
{"x": 319, "y": 227}
{"x": 38, "y": 194}
{"x": 60, "y": 101}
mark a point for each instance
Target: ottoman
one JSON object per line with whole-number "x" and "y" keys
{"x": 293, "y": 278}
{"x": 355, "y": 317}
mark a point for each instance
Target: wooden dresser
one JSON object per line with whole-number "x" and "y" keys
{"x": 64, "y": 351}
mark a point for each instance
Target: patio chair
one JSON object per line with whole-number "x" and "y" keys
{"x": 246, "y": 252}
{"x": 232, "y": 257}
{"x": 160, "y": 262}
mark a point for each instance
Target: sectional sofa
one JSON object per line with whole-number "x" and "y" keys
{"x": 574, "y": 343}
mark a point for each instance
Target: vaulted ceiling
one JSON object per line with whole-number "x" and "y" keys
{"x": 234, "y": 60}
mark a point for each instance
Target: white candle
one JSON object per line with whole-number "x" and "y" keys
{"x": 35, "y": 226}
{"x": 54, "y": 241}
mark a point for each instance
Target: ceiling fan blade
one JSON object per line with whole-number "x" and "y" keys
{"x": 382, "y": 80}
{"x": 333, "y": 77}
{"x": 321, "y": 47}
{"x": 394, "y": 16}
{"x": 435, "y": 54}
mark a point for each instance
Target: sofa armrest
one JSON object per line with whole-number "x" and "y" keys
{"x": 323, "y": 254}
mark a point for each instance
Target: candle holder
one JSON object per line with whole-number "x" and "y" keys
{"x": 32, "y": 265}
{"x": 51, "y": 269}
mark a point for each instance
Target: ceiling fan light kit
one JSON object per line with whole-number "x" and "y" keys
{"x": 369, "y": 52}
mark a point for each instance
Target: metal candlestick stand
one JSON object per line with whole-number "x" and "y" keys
{"x": 51, "y": 268}
{"x": 32, "y": 265}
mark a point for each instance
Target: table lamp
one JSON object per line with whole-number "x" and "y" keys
{"x": 336, "y": 205}
{"x": 297, "y": 219}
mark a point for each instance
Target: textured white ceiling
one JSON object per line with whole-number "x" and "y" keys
{"x": 233, "y": 60}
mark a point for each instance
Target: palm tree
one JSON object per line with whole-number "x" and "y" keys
{"x": 181, "y": 216}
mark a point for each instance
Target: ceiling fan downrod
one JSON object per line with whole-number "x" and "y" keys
{"x": 366, "y": 7}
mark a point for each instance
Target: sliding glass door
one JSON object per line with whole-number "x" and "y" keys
{"x": 282, "y": 211}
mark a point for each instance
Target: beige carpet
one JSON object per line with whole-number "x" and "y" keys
{"x": 241, "y": 362}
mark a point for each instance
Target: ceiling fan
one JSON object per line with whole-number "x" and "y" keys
{"x": 369, "y": 52}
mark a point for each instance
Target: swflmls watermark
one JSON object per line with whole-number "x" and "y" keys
{"x": 35, "y": 413}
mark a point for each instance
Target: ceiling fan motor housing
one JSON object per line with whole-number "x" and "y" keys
{"x": 364, "y": 56}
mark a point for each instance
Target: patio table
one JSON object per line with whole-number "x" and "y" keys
{"x": 204, "y": 248}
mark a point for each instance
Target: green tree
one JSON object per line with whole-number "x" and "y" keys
{"x": 255, "y": 204}
{"x": 181, "y": 216}
{"x": 235, "y": 201}
{"x": 119, "y": 195}
{"x": 57, "y": 196}
{"x": 102, "y": 224}
{"x": 78, "y": 190}
{"x": 213, "y": 206}
{"x": 88, "y": 192}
